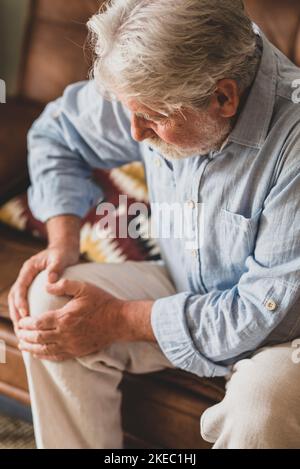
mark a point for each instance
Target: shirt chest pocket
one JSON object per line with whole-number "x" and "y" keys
{"x": 225, "y": 251}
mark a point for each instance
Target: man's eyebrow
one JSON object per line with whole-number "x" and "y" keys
{"x": 147, "y": 116}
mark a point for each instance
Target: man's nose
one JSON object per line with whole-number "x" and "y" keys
{"x": 140, "y": 129}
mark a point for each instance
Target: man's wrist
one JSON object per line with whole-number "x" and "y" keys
{"x": 136, "y": 318}
{"x": 65, "y": 245}
{"x": 64, "y": 233}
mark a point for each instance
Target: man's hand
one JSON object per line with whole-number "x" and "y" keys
{"x": 54, "y": 260}
{"x": 89, "y": 322}
{"x": 63, "y": 251}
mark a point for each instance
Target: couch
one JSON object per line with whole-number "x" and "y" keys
{"x": 161, "y": 409}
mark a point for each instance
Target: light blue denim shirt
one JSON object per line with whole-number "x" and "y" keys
{"x": 240, "y": 289}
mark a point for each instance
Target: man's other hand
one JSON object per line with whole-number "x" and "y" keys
{"x": 89, "y": 322}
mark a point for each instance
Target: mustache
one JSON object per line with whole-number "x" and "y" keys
{"x": 170, "y": 152}
{"x": 167, "y": 150}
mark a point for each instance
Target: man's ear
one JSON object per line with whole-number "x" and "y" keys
{"x": 227, "y": 97}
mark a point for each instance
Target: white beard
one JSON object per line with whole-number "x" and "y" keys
{"x": 214, "y": 135}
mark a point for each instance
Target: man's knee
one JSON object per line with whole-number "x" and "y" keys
{"x": 40, "y": 301}
{"x": 254, "y": 403}
{"x": 247, "y": 418}
{"x": 260, "y": 409}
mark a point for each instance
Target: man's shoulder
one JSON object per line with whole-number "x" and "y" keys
{"x": 83, "y": 101}
{"x": 80, "y": 96}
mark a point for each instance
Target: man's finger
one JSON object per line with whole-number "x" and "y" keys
{"x": 27, "y": 274}
{"x": 20, "y": 300}
{"x": 46, "y": 321}
{"x": 54, "y": 271}
{"x": 38, "y": 337}
{"x": 65, "y": 287}
{"x": 13, "y": 312}
{"x": 54, "y": 358}
{"x": 38, "y": 349}
{"x": 29, "y": 271}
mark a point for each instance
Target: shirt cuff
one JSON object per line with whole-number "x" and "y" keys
{"x": 172, "y": 334}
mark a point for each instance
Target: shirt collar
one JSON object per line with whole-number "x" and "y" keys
{"x": 224, "y": 144}
{"x": 251, "y": 128}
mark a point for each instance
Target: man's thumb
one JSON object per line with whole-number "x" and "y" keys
{"x": 54, "y": 272}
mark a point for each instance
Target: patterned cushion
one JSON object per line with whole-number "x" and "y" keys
{"x": 128, "y": 180}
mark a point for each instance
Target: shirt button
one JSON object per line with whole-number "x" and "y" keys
{"x": 271, "y": 305}
{"x": 157, "y": 162}
{"x": 191, "y": 204}
{"x": 194, "y": 253}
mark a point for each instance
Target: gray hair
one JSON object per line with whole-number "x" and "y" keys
{"x": 170, "y": 54}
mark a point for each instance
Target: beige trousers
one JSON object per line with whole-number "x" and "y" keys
{"x": 76, "y": 403}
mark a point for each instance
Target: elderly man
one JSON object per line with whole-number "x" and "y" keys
{"x": 196, "y": 93}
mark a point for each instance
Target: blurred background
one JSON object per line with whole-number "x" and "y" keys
{"x": 14, "y": 15}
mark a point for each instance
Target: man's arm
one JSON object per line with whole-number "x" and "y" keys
{"x": 204, "y": 334}
{"x": 136, "y": 318}
{"x": 74, "y": 135}
{"x": 64, "y": 237}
